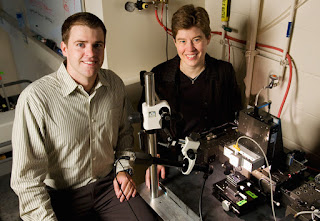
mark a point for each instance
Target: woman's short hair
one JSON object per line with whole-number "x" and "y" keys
{"x": 189, "y": 16}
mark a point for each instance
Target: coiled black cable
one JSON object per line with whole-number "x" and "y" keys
{"x": 115, "y": 176}
{"x": 205, "y": 177}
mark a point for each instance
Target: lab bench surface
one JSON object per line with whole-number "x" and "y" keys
{"x": 185, "y": 190}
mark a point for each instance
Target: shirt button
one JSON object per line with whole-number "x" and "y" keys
{"x": 93, "y": 120}
{"x": 94, "y": 158}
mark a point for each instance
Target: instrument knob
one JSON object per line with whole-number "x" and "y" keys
{"x": 226, "y": 205}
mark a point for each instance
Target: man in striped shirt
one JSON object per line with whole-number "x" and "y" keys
{"x": 67, "y": 129}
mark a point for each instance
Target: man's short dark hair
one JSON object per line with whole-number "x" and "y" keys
{"x": 189, "y": 16}
{"x": 81, "y": 18}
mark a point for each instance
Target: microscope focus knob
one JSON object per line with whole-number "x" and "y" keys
{"x": 226, "y": 205}
{"x": 191, "y": 154}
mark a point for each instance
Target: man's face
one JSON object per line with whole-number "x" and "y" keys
{"x": 191, "y": 46}
{"x": 85, "y": 52}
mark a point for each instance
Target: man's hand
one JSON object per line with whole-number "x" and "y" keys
{"x": 160, "y": 169}
{"x": 126, "y": 184}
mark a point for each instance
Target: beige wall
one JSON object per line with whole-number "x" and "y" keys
{"x": 95, "y": 7}
{"x": 300, "y": 116}
{"x": 136, "y": 42}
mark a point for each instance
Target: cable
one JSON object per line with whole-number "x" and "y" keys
{"x": 115, "y": 176}
{"x": 161, "y": 24}
{"x": 236, "y": 40}
{"x": 290, "y": 75}
{"x": 257, "y": 96}
{"x": 200, "y": 200}
{"x": 167, "y": 46}
{"x": 314, "y": 169}
{"x": 313, "y": 213}
{"x": 288, "y": 87}
{"x": 265, "y": 157}
{"x": 229, "y": 37}
{"x": 216, "y": 32}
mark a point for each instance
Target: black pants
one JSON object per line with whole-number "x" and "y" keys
{"x": 97, "y": 201}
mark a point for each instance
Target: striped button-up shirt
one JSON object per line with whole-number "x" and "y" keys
{"x": 64, "y": 137}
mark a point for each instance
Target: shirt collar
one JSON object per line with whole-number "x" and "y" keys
{"x": 102, "y": 79}
{"x": 68, "y": 85}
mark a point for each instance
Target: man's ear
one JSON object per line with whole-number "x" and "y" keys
{"x": 64, "y": 48}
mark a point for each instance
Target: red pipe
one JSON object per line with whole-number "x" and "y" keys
{"x": 161, "y": 24}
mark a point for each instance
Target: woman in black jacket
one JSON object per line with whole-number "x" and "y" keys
{"x": 202, "y": 91}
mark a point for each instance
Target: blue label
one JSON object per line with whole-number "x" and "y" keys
{"x": 289, "y": 29}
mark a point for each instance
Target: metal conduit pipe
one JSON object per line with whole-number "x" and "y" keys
{"x": 283, "y": 62}
{"x": 251, "y": 46}
{"x": 225, "y": 13}
{"x": 223, "y": 40}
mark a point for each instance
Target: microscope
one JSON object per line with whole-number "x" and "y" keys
{"x": 156, "y": 115}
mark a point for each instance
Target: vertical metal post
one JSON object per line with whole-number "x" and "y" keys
{"x": 150, "y": 97}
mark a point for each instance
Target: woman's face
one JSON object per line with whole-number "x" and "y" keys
{"x": 191, "y": 46}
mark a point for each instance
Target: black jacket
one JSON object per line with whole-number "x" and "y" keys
{"x": 222, "y": 97}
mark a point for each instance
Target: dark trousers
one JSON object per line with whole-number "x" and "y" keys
{"x": 97, "y": 201}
